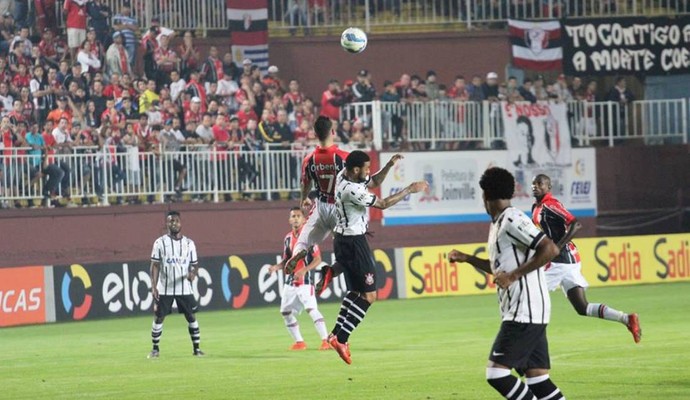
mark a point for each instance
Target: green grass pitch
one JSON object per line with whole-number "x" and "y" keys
{"x": 405, "y": 349}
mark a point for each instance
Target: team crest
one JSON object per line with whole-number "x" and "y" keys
{"x": 430, "y": 192}
{"x": 369, "y": 278}
{"x": 537, "y": 40}
{"x": 247, "y": 21}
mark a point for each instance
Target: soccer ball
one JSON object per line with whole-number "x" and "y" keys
{"x": 353, "y": 40}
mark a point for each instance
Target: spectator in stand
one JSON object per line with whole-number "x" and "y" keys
{"x": 76, "y": 76}
{"x": 24, "y": 38}
{"x": 204, "y": 130}
{"x": 403, "y": 87}
{"x": 577, "y": 88}
{"x": 48, "y": 48}
{"x": 281, "y": 131}
{"x": 363, "y": 90}
{"x": 292, "y": 100}
{"x": 431, "y": 85}
{"x": 99, "y": 19}
{"x": 117, "y": 58}
{"x": 226, "y": 90}
{"x": 61, "y": 112}
{"x": 245, "y": 114}
{"x": 75, "y": 11}
{"x": 63, "y": 145}
{"x": 172, "y": 141}
{"x": 129, "y": 27}
{"x": 148, "y": 97}
{"x": 114, "y": 89}
{"x": 212, "y": 68}
{"x": 538, "y": 89}
{"x": 92, "y": 118}
{"x": 417, "y": 89}
{"x": 177, "y": 85}
{"x": 474, "y": 89}
{"x": 490, "y": 87}
{"x": 526, "y": 91}
{"x": 195, "y": 112}
{"x": 459, "y": 89}
{"x": 166, "y": 61}
{"x": 154, "y": 113}
{"x": 150, "y": 45}
{"x": 39, "y": 165}
{"x": 17, "y": 58}
{"x": 28, "y": 107}
{"x": 623, "y": 96}
{"x": 196, "y": 89}
{"x": 189, "y": 54}
{"x": 512, "y": 90}
{"x": 40, "y": 91}
{"x": 331, "y": 100}
{"x": 89, "y": 62}
{"x": 561, "y": 90}
{"x": 271, "y": 80}
{"x": 230, "y": 68}
{"x": 21, "y": 79}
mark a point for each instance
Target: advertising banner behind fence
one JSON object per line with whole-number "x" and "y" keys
{"x": 634, "y": 45}
{"x": 454, "y": 194}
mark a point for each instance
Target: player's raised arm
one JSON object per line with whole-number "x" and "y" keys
{"x": 395, "y": 198}
{"x": 479, "y": 263}
{"x": 378, "y": 178}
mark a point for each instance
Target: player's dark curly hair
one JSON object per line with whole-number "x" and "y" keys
{"x": 172, "y": 213}
{"x": 497, "y": 184}
{"x": 322, "y": 127}
{"x": 356, "y": 159}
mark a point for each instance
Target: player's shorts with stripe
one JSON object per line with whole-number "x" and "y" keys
{"x": 298, "y": 298}
{"x": 186, "y": 305}
{"x": 521, "y": 347}
{"x": 568, "y": 276}
{"x": 355, "y": 256}
{"x": 320, "y": 223}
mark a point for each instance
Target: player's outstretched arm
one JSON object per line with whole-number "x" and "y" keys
{"x": 573, "y": 227}
{"x": 276, "y": 267}
{"x": 479, "y": 263}
{"x": 545, "y": 252}
{"x": 394, "y": 199}
{"x": 378, "y": 178}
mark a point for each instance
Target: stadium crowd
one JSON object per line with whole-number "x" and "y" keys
{"x": 79, "y": 92}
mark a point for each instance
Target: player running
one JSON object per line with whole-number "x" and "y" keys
{"x": 299, "y": 288}
{"x": 565, "y": 269}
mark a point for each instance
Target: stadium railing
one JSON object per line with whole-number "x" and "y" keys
{"x": 286, "y": 15}
{"x": 124, "y": 171}
{"x": 479, "y": 124}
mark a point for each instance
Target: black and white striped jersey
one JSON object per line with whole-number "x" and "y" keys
{"x": 351, "y": 202}
{"x": 512, "y": 240}
{"x": 176, "y": 256}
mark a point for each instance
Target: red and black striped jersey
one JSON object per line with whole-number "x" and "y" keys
{"x": 321, "y": 167}
{"x": 553, "y": 219}
{"x": 288, "y": 246}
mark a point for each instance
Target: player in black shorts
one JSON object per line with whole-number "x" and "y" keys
{"x": 351, "y": 248}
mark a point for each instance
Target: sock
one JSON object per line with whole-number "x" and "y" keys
{"x": 544, "y": 388}
{"x": 344, "y": 307}
{"x": 508, "y": 385}
{"x": 319, "y": 323}
{"x": 603, "y": 311}
{"x": 355, "y": 315}
{"x": 195, "y": 334}
{"x": 156, "y": 332}
{"x": 293, "y": 327}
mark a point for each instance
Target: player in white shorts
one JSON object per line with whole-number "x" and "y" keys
{"x": 298, "y": 293}
{"x": 565, "y": 269}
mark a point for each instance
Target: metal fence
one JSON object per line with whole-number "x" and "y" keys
{"x": 122, "y": 172}
{"x": 479, "y": 124}
{"x": 289, "y": 15}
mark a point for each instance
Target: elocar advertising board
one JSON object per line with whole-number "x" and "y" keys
{"x": 233, "y": 282}
{"x": 22, "y": 296}
{"x": 454, "y": 194}
{"x": 625, "y": 260}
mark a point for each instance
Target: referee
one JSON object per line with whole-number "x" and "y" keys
{"x": 351, "y": 248}
{"x": 174, "y": 265}
{"x": 517, "y": 252}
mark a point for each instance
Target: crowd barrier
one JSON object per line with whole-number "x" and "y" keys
{"x": 438, "y": 123}
{"x": 60, "y": 293}
{"x": 125, "y": 171}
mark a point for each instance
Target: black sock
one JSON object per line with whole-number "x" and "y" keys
{"x": 511, "y": 388}
{"x": 195, "y": 334}
{"x": 344, "y": 307}
{"x": 355, "y": 315}
{"x": 337, "y": 268}
{"x": 543, "y": 387}
{"x": 156, "y": 332}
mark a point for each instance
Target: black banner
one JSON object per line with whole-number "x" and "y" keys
{"x": 635, "y": 46}
{"x": 121, "y": 289}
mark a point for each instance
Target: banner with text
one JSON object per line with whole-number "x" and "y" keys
{"x": 630, "y": 45}
{"x": 454, "y": 194}
{"x": 610, "y": 261}
{"x": 23, "y": 296}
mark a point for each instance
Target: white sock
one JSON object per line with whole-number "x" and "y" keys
{"x": 319, "y": 323}
{"x": 599, "y": 310}
{"x": 293, "y": 327}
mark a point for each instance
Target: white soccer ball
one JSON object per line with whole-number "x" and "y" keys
{"x": 353, "y": 40}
